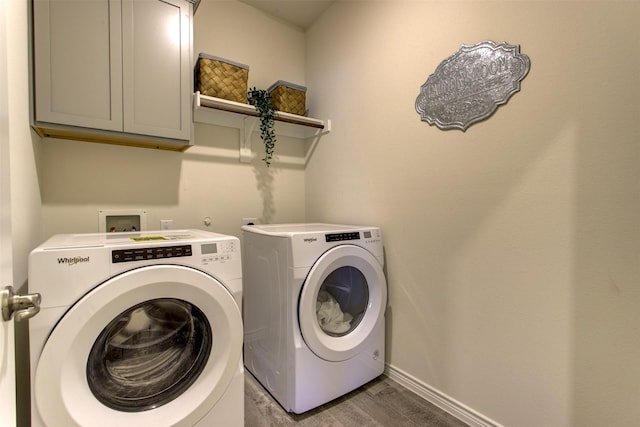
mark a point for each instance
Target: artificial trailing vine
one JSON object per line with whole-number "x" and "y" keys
{"x": 261, "y": 99}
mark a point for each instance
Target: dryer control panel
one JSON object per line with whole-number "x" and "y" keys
{"x": 338, "y": 237}
{"x": 369, "y": 236}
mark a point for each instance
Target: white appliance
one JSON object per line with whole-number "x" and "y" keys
{"x": 314, "y": 304}
{"x": 137, "y": 329}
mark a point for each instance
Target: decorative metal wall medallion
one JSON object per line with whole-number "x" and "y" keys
{"x": 469, "y": 86}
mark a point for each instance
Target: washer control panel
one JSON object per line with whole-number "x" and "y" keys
{"x": 217, "y": 252}
{"x": 141, "y": 254}
{"x": 212, "y": 252}
{"x": 372, "y": 236}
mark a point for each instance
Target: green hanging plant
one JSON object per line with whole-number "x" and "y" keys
{"x": 261, "y": 99}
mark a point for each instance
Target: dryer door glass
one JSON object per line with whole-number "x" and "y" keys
{"x": 342, "y": 301}
{"x": 149, "y": 355}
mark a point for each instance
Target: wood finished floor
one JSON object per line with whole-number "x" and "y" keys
{"x": 382, "y": 402}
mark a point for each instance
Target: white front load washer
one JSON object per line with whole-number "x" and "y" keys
{"x": 137, "y": 329}
{"x": 314, "y": 306}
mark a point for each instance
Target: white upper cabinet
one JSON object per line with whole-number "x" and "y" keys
{"x": 115, "y": 71}
{"x": 157, "y": 76}
{"x": 78, "y": 63}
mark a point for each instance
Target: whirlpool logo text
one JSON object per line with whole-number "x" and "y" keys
{"x": 73, "y": 261}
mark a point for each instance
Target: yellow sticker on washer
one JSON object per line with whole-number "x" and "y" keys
{"x": 147, "y": 238}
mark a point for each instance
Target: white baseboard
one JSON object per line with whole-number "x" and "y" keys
{"x": 439, "y": 399}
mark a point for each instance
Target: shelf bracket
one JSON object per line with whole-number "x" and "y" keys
{"x": 248, "y": 123}
{"x": 314, "y": 141}
{"x": 325, "y": 131}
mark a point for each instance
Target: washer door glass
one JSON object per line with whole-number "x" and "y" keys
{"x": 149, "y": 354}
{"x": 342, "y": 302}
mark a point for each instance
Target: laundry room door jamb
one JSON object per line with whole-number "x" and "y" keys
{"x": 7, "y": 343}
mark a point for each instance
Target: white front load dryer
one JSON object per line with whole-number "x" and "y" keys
{"x": 137, "y": 329}
{"x": 314, "y": 306}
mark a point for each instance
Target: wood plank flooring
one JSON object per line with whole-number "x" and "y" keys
{"x": 382, "y": 402}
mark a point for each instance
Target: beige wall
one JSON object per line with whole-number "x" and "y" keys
{"x": 77, "y": 179}
{"x": 511, "y": 249}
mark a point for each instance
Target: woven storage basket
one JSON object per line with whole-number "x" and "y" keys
{"x": 221, "y": 78}
{"x": 289, "y": 97}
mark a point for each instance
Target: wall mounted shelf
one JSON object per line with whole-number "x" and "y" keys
{"x": 221, "y": 112}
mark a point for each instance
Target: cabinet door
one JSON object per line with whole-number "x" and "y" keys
{"x": 156, "y": 67}
{"x": 78, "y": 65}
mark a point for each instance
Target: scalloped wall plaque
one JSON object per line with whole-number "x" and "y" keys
{"x": 469, "y": 86}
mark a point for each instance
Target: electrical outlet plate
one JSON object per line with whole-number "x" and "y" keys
{"x": 249, "y": 221}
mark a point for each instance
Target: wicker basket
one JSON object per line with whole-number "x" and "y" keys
{"x": 221, "y": 78}
{"x": 289, "y": 97}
